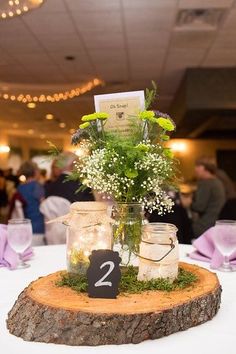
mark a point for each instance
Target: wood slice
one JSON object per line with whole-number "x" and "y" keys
{"x": 44, "y": 312}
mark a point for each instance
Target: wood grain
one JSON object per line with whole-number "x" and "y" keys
{"x": 46, "y": 313}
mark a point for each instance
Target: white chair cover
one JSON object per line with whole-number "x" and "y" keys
{"x": 18, "y": 212}
{"x": 53, "y": 207}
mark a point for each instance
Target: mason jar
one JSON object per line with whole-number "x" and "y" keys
{"x": 89, "y": 228}
{"x": 159, "y": 252}
{"x": 127, "y": 229}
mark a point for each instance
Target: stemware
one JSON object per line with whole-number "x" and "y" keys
{"x": 225, "y": 242}
{"x": 19, "y": 236}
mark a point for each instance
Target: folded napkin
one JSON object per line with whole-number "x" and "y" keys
{"x": 207, "y": 252}
{"x": 8, "y": 257}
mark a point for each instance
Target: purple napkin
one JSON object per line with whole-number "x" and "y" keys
{"x": 207, "y": 252}
{"x": 8, "y": 257}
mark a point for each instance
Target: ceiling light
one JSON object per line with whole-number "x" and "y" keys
{"x": 4, "y": 149}
{"x": 12, "y": 8}
{"x": 30, "y": 131}
{"x": 199, "y": 19}
{"x": 49, "y": 116}
{"x": 178, "y": 146}
{"x": 62, "y": 125}
{"x": 42, "y": 136}
{"x": 31, "y": 105}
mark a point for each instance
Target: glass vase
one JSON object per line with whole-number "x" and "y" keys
{"x": 159, "y": 254}
{"x": 89, "y": 228}
{"x": 127, "y": 229}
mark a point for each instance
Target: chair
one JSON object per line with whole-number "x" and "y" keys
{"x": 53, "y": 207}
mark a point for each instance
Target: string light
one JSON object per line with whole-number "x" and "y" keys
{"x": 31, "y": 105}
{"x": 49, "y": 116}
{"x": 18, "y": 7}
{"x": 55, "y": 97}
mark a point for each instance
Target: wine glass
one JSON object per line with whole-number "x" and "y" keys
{"x": 19, "y": 236}
{"x": 225, "y": 242}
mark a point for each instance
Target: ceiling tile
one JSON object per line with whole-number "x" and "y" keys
{"x": 184, "y": 58}
{"x": 203, "y": 4}
{"x": 149, "y": 20}
{"x": 97, "y": 21}
{"x": 225, "y": 39}
{"x": 93, "y": 5}
{"x": 230, "y": 20}
{"x": 11, "y": 27}
{"x": 20, "y": 45}
{"x": 220, "y": 58}
{"x": 148, "y": 40}
{"x": 104, "y": 57}
{"x": 153, "y": 4}
{"x": 147, "y": 56}
{"x": 67, "y": 44}
{"x": 112, "y": 73}
{"x": 59, "y": 23}
{"x": 33, "y": 59}
{"x": 101, "y": 40}
{"x": 192, "y": 39}
{"x": 51, "y": 6}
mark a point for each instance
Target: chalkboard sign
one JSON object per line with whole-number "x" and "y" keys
{"x": 104, "y": 274}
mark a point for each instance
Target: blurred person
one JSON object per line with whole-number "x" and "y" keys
{"x": 30, "y": 194}
{"x": 61, "y": 168}
{"x": 10, "y": 176}
{"x": 229, "y": 187}
{"x": 3, "y": 197}
{"x": 209, "y": 197}
{"x": 3, "y": 193}
{"x": 42, "y": 179}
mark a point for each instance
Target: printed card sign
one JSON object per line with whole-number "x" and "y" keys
{"x": 104, "y": 274}
{"x": 120, "y": 107}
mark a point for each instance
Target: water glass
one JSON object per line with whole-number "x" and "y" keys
{"x": 225, "y": 242}
{"x": 19, "y": 236}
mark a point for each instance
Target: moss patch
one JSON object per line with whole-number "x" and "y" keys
{"x": 129, "y": 283}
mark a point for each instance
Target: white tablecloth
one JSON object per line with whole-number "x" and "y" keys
{"x": 216, "y": 336}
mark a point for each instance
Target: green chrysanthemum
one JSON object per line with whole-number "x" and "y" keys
{"x": 146, "y": 115}
{"x": 84, "y": 125}
{"x": 88, "y": 117}
{"x": 142, "y": 147}
{"x": 166, "y": 124}
{"x": 101, "y": 115}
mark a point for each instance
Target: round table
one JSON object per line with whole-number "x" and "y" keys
{"x": 216, "y": 336}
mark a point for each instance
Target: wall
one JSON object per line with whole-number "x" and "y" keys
{"x": 196, "y": 148}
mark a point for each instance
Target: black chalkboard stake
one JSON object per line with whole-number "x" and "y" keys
{"x": 104, "y": 274}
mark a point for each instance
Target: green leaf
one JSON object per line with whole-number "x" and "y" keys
{"x": 165, "y": 137}
{"x": 130, "y": 173}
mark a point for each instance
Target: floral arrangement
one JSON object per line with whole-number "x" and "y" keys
{"x": 133, "y": 168}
